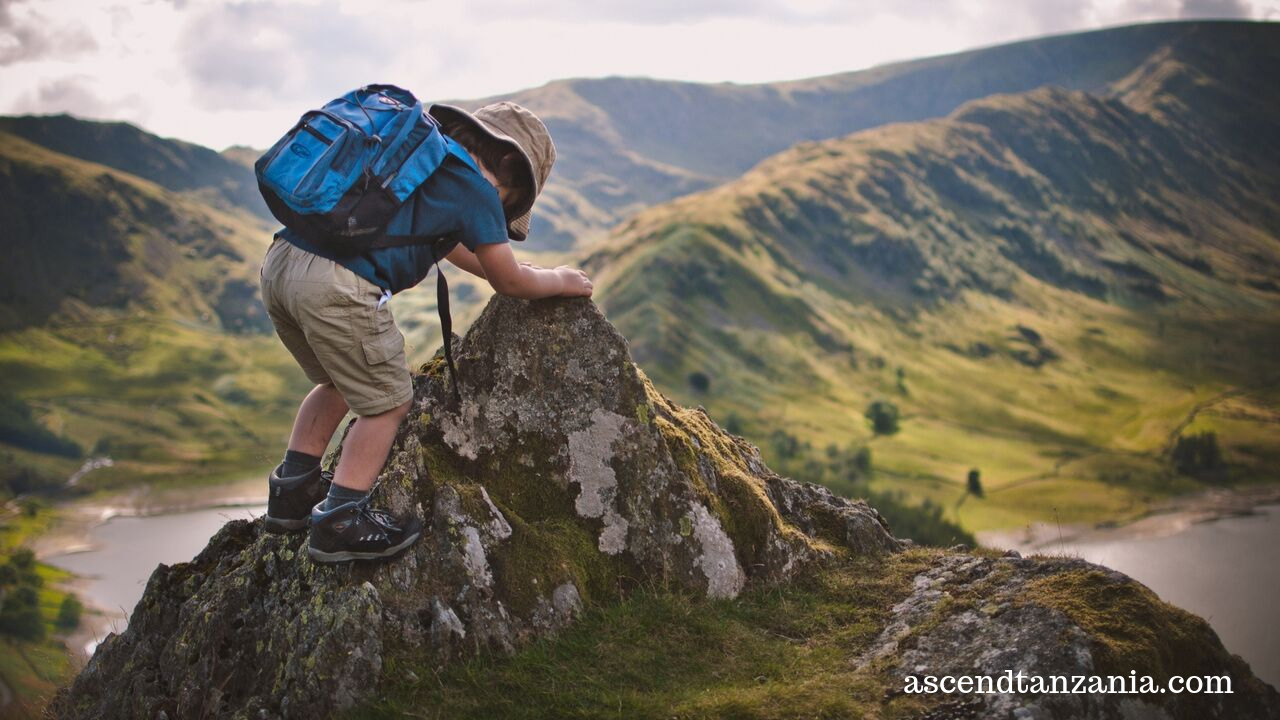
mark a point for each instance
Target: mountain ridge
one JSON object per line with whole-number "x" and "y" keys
{"x": 954, "y": 250}
{"x": 682, "y": 137}
{"x": 176, "y": 165}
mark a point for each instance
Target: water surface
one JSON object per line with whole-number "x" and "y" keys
{"x": 127, "y": 550}
{"x": 1225, "y": 571}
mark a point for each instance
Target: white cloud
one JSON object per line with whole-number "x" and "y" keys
{"x": 26, "y": 35}
{"x": 221, "y": 73}
{"x": 1215, "y": 9}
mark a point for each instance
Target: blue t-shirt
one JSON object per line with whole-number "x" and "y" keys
{"x": 456, "y": 202}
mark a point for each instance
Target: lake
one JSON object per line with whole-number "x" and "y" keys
{"x": 1225, "y": 571}
{"x": 127, "y": 549}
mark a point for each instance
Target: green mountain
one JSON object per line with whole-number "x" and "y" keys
{"x": 172, "y": 164}
{"x": 1050, "y": 287}
{"x": 130, "y": 326}
{"x": 627, "y": 143}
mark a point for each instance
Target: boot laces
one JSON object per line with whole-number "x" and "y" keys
{"x": 381, "y": 518}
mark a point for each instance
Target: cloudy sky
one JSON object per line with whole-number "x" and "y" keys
{"x": 220, "y": 73}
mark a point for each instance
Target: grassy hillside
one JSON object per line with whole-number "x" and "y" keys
{"x": 130, "y": 328}
{"x": 1052, "y": 287}
{"x": 627, "y": 143}
{"x": 173, "y": 164}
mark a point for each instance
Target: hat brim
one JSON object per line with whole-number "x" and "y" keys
{"x": 518, "y": 228}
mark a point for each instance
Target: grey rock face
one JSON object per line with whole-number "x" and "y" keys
{"x": 561, "y": 479}
{"x": 1063, "y": 617}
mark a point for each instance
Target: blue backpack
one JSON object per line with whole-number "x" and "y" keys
{"x": 340, "y": 174}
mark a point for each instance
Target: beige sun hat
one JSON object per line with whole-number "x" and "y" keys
{"x": 514, "y": 124}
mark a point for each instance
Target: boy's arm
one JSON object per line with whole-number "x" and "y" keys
{"x": 508, "y": 277}
{"x": 463, "y": 258}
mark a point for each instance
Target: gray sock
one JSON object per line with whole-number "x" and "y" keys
{"x": 298, "y": 463}
{"x": 339, "y": 495}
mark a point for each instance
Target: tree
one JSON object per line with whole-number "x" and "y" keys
{"x": 699, "y": 381}
{"x": 20, "y": 614}
{"x": 1199, "y": 456}
{"x": 862, "y": 460}
{"x": 23, "y": 562}
{"x": 733, "y": 424}
{"x": 784, "y": 444}
{"x": 883, "y": 416}
{"x": 69, "y": 612}
{"x": 975, "y": 483}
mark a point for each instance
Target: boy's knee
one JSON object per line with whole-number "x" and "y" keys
{"x": 402, "y": 410}
{"x": 397, "y": 413}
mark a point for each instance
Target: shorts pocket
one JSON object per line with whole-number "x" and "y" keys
{"x": 383, "y": 348}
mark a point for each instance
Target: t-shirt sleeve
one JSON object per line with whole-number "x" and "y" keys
{"x": 455, "y": 203}
{"x": 483, "y": 221}
{"x": 472, "y": 200}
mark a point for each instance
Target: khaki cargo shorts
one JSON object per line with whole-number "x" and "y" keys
{"x": 329, "y": 319}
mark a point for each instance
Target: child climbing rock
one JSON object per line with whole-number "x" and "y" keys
{"x": 333, "y": 315}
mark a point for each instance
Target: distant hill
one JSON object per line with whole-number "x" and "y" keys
{"x": 130, "y": 324}
{"x": 1052, "y": 287}
{"x": 106, "y": 239}
{"x": 242, "y": 154}
{"x": 626, "y": 143}
{"x": 173, "y": 164}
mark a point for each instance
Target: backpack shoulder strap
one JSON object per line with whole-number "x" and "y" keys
{"x": 446, "y": 328}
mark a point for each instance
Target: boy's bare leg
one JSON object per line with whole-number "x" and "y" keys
{"x": 364, "y": 451}
{"x": 318, "y": 418}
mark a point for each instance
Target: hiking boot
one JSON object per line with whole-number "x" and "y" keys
{"x": 355, "y": 531}
{"x": 289, "y": 505}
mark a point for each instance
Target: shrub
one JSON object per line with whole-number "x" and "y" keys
{"x": 733, "y": 424}
{"x": 922, "y": 523}
{"x": 975, "y": 483}
{"x": 1199, "y": 456}
{"x": 785, "y": 446}
{"x": 69, "y": 613}
{"x": 699, "y": 381}
{"x": 20, "y": 614}
{"x": 883, "y": 416}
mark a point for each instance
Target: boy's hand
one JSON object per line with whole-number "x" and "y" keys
{"x": 574, "y": 281}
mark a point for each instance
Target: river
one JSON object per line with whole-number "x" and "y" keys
{"x": 1224, "y": 570}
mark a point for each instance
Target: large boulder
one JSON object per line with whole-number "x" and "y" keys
{"x": 561, "y": 478}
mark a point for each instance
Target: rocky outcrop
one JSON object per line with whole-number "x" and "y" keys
{"x": 1081, "y": 637}
{"x": 561, "y": 478}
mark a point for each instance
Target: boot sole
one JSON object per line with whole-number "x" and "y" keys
{"x": 347, "y": 555}
{"x": 284, "y": 525}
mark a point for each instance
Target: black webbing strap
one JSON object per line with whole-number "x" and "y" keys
{"x": 446, "y": 327}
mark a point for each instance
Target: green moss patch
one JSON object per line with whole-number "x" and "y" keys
{"x": 540, "y": 556}
{"x": 788, "y": 652}
{"x": 1133, "y": 629}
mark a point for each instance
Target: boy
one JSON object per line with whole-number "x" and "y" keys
{"x": 332, "y": 314}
